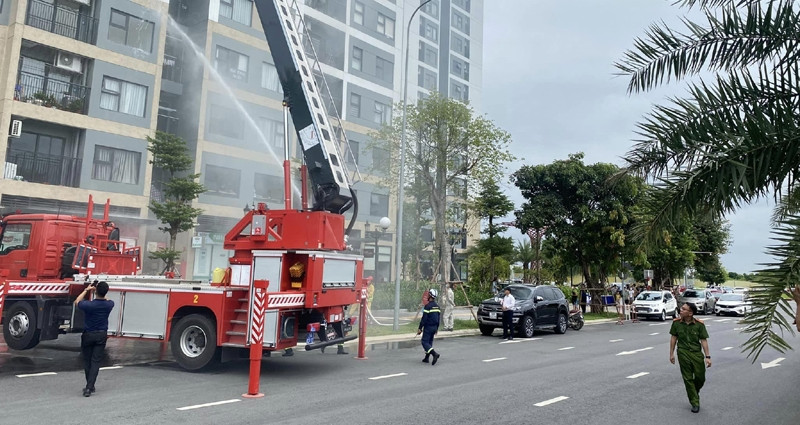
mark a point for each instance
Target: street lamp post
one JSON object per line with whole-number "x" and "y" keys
{"x": 400, "y": 191}
{"x": 379, "y": 231}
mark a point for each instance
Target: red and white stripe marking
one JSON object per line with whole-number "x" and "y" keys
{"x": 2, "y": 295}
{"x": 257, "y": 327}
{"x": 286, "y": 300}
{"x": 38, "y": 288}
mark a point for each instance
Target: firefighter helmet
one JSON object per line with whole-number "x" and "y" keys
{"x": 433, "y": 293}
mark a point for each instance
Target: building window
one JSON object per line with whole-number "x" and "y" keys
{"x": 269, "y": 78}
{"x": 384, "y": 69}
{"x": 116, "y": 165}
{"x": 231, "y": 63}
{"x": 355, "y": 106}
{"x": 383, "y": 113}
{"x": 432, "y": 8}
{"x": 385, "y": 25}
{"x": 459, "y": 44}
{"x": 464, "y": 4}
{"x": 380, "y": 158}
{"x": 459, "y": 67}
{"x": 354, "y": 146}
{"x": 379, "y": 205}
{"x": 460, "y": 22}
{"x": 222, "y": 181}
{"x": 428, "y": 29}
{"x": 225, "y": 122}
{"x": 122, "y": 96}
{"x": 273, "y": 131}
{"x": 358, "y": 55}
{"x": 131, "y": 31}
{"x": 358, "y": 13}
{"x": 428, "y": 54}
{"x": 240, "y": 11}
{"x": 426, "y": 78}
{"x": 459, "y": 91}
{"x": 268, "y": 188}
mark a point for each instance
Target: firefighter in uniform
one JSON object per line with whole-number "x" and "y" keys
{"x": 429, "y": 326}
{"x": 691, "y": 337}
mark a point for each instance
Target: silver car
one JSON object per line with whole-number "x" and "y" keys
{"x": 735, "y": 304}
{"x": 703, "y": 299}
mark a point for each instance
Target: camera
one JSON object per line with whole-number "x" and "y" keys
{"x": 94, "y": 284}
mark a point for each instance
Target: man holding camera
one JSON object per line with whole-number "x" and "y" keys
{"x": 93, "y": 340}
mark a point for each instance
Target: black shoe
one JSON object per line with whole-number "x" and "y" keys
{"x": 288, "y": 353}
{"x": 511, "y": 338}
{"x": 92, "y": 390}
{"x": 435, "y": 358}
{"x": 341, "y": 350}
{"x": 322, "y": 350}
{"x": 87, "y": 392}
{"x": 695, "y": 409}
{"x": 425, "y": 360}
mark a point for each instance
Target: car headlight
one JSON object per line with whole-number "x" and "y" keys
{"x": 518, "y": 308}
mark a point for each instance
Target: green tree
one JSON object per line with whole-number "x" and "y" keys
{"x": 586, "y": 218}
{"x": 713, "y": 239}
{"x": 732, "y": 139}
{"x": 491, "y": 205}
{"x": 175, "y": 211}
{"x": 525, "y": 255}
{"x": 448, "y": 147}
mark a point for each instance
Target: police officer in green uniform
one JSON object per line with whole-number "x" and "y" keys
{"x": 690, "y": 335}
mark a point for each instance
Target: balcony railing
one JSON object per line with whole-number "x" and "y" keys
{"x": 47, "y": 169}
{"x": 171, "y": 70}
{"x": 51, "y": 92}
{"x": 62, "y": 21}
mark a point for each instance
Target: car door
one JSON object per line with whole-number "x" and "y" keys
{"x": 541, "y": 306}
{"x": 670, "y": 303}
{"x": 711, "y": 302}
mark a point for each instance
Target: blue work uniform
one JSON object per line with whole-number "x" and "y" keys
{"x": 429, "y": 324}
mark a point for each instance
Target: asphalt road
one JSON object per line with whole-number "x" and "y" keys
{"x": 603, "y": 374}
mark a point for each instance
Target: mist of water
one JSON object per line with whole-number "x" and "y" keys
{"x": 228, "y": 91}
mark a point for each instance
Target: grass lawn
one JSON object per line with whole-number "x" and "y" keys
{"x": 599, "y": 316}
{"x": 376, "y": 330}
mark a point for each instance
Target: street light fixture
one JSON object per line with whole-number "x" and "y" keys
{"x": 400, "y": 191}
{"x": 383, "y": 225}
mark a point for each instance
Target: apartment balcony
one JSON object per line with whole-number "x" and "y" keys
{"x": 62, "y": 20}
{"x": 36, "y": 167}
{"x": 51, "y": 91}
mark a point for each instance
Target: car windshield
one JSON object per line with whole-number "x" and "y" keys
{"x": 649, "y": 296}
{"x": 691, "y": 294}
{"x": 731, "y": 297}
{"x": 519, "y": 292}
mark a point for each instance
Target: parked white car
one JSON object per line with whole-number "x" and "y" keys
{"x": 736, "y": 304}
{"x": 703, "y": 299}
{"x": 656, "y": 304}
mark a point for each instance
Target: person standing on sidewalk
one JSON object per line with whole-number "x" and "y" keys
{"x": 429, "y": 326}
{"x": 691, "y": 336}
{"x": 449, "y": 305}
{"x": 93, "y": 340}
{"x": 507, "y": 306}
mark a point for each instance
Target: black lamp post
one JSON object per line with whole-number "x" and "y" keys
{"x": 383, "y": 224}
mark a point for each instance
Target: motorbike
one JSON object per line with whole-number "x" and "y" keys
{"x": 575, "y": 320}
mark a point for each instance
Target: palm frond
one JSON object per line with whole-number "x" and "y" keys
{"x": 739, "y": 35}
{"x": 714, "y": 3}
{"x": 769, "y": 319}
{"x": 788, "y": 203}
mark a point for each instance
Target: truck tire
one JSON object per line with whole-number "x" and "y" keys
{"x": 194, "y": 343}
{"x": 20, "y": 326}
{"x": 486, "y": 330}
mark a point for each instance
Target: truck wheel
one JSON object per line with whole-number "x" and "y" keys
{"x": 194, "y": 342}
{"x": 527, "y": 329}
{"x": 486, "y": 330}
{"x": 561, "y": 327}
{"x": 19, "y": 327}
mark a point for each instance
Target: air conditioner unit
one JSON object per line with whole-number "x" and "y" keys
{"x": 69, "y": 62}
{"x": 16, "y": 128}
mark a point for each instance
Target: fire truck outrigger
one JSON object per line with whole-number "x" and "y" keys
{"x": 298, "y": 256}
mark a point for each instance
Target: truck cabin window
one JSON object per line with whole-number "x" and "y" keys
{"x": 15, "y": 236}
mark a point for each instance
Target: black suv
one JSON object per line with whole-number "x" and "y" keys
{"x": 537, "y": 307}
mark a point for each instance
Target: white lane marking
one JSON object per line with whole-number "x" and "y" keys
{"x": 494, "y": 360}
{"x": 658, "y": 324}
{"x": 216, "y": 403}
{"x": 737, "y": 329}
{"x": 530, "y": 339}
{"x": 722, "y": 320}
{"x": 111, "y": 367}
{"x": 375, "y": 378}
{"x": 773, "y": 363}
{"x": 565, "y": 348}
{"x": 551, "y": 401}
{"x": 625, "y": 353}
{"x": 615, "y": 340}
{"x": 513, "y": 341}
{"x": 654, "y": 333}
{"x": 31, "y": 375}
{"x": 638, "y": 375}
{"x": 726, "y": 348}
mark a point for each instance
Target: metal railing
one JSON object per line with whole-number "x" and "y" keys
{"x": 171, "y": 70}
{"x": 62, "y": 21}
{"x": 47, "y": 169}
{"x": 52, "y": 93}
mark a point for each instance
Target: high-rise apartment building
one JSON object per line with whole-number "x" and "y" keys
{"x": 88, "y": 80}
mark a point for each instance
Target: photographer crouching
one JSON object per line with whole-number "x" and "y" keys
{"x": 93, "y": 340}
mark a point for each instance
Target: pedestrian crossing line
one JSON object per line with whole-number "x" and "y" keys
{"x": 615, "y": 340}
{"x": 638, "y": 375}
{"x": 494, "y": 360}
{"x": 726, "y": 348}
{"x": 654, "y": 333}
{"x": 551, "y": 401}
{"x": 111, "y": 367}
{"x": 513, "y": 341}
{"x": 32, "y": 375}
{"x": 216, "y": 403}
{"x": 565, "y": 348}
{"x": 394, "y": 375}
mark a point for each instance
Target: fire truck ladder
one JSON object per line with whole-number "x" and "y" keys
{"x": 342, "y": 144}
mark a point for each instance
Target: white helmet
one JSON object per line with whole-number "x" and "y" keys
{"x": 433, "y": 293}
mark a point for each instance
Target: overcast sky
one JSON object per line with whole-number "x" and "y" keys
{"x": 548, "y": 79}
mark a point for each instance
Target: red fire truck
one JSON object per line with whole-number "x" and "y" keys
{"x": 298, "y": 255}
